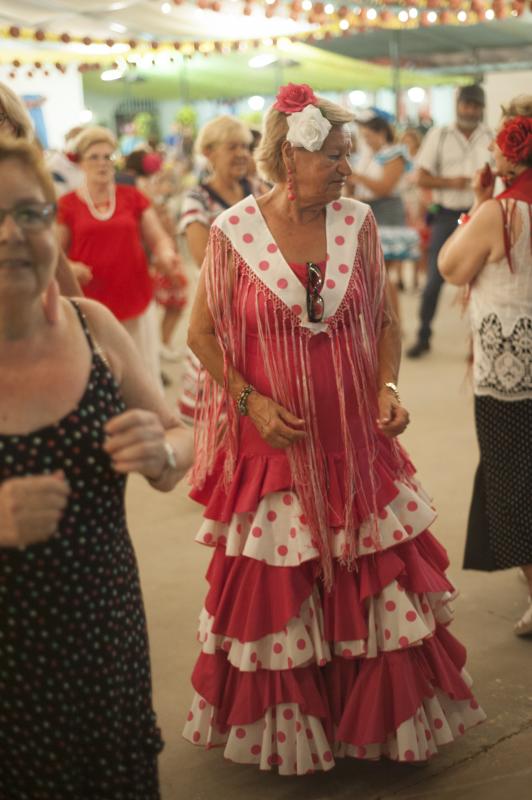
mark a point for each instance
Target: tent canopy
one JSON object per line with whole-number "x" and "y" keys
{"x": 465, "y": 47}
{"x": 230, "y": 76}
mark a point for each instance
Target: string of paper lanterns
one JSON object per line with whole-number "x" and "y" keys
{"x": 333, "y": 19}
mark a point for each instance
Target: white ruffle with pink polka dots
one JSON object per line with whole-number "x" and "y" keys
{"x": 277, "y": 532}
{"x": 396, "y": 619}
{"x": 245, "y": 227}
{"x": 296, "y": 744}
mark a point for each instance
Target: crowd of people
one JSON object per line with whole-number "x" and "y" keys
{"x": 327, "y": 591}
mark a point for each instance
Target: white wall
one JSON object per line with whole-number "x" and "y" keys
{"x": 501, "y": 87}
{"x": 63, "y": 98}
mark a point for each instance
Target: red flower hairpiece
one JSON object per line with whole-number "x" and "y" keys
{"x": 515, "y": 139}
{"x": 294, "y": 97}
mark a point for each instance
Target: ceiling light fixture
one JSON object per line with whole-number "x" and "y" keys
{"x": 262, "y": 60}
{"x": 112, "y": 74}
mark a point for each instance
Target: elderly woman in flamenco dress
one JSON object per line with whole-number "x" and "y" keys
{"x": 324, "y": 632}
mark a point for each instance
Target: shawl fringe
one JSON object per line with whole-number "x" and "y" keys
{"x": 284, "y": 343}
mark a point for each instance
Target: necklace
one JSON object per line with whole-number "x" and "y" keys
{"x": 101, "y": 215}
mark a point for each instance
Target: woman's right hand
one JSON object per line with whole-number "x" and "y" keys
{"x": 30, "y": 508}
{"x": 277, "y": 426}
{"x": 82, "y": 272}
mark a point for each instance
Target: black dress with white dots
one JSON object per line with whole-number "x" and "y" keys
{"x": 76, "y": 716}
{"x": 499, "y": 532}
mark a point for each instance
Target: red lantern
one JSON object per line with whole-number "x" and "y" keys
{"x": 14, "y": 32}
{"x": 65, "y": 38}
{"x": 40, "y": 36}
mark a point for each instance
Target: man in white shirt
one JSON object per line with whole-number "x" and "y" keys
{"x": 446, "y": 163}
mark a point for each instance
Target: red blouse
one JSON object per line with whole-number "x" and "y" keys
{"x": 113, "y": 249}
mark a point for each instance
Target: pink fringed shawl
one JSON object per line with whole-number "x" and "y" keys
{"x": 244, "y": 265}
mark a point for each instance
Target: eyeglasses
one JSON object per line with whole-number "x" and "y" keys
{"x": 95, "y": 157}
{"x": 315, "y": 302}
{"x": 30, "y": 217}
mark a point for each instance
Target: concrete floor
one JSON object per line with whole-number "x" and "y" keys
{"x": 492, "y": 762}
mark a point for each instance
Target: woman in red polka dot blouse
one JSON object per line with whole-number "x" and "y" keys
{"x": 324, "y": 631}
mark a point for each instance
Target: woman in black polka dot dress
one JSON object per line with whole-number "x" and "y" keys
{"x": 76, "y": 716}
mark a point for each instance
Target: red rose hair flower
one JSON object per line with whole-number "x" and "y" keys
{"x": 294, "y": 97}
{"x": 515, "y": 139}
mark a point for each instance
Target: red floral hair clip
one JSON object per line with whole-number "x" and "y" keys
{"x": 294, "y": 97}
{"x": 514, "y": 140}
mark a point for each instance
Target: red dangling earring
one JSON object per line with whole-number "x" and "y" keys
{"x": 290, "y": 184}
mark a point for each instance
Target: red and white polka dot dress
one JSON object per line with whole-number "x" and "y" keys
{"x": 295, "y": 671}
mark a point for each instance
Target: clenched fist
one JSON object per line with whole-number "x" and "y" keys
{"x": 30, "y": 508}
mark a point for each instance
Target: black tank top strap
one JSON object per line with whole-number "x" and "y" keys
{"x": 95, "y": 347}
{"x": 85, "y": 325}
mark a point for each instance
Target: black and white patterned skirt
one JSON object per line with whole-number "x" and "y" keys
{"x": 499, "y": 533}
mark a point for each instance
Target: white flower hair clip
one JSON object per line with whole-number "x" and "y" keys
{"x": 307, "y": 128}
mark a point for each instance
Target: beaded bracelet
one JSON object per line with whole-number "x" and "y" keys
{"x": 242, "y": 402}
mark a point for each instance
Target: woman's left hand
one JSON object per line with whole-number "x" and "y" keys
{"x": 135, "y": 442}
{"x": 393, "y": 418}
{"x": 168, "y": 262}
{"x": 483, "y": 184}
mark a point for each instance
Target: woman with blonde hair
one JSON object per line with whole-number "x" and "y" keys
{"x": 225, "y": 143}
{"x": 492, "y": 254}
{"x": 324, "y": 632}
{"x": 78, "y": 414}
{"x": 15, "y": 121}
{"x": 104, "y": 227}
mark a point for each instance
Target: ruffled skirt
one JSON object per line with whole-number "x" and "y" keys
{"x": 291, "y": 676}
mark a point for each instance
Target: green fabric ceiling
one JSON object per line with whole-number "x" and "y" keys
{"x": 423, "y": 43}
{"x": 229, "y": 76}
